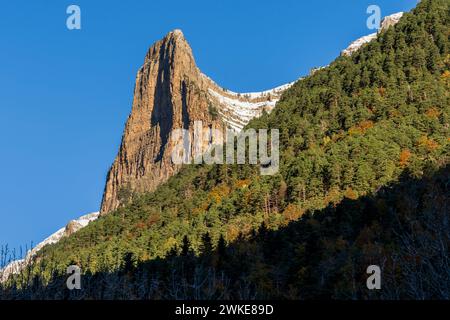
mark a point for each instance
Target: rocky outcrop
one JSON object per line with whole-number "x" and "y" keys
{"x": 355, "y": 45}
{"x": 172, "y": 93}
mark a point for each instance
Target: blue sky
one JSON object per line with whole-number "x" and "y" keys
{"x": 65, "y": 95}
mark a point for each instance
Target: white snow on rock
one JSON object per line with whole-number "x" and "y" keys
{"x": 387, "y": 22}
{"x": 82, "y": 222}
{"x": 263, "y": 94}
{"x": 237, "y": 109}
{"x": 13, "y": 267}
{"x": 355, "y": 45}
{"x": 16, "y": 266}
{"x": 245, "y": 110}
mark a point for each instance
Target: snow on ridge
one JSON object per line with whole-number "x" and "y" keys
{"x": 385, "y": 23}
{"x": 55, "y": 237}
{"x": 395, "y": 16}
{"x": 237, "y": 109}
{"x": 253, "y": 95}
{"x": 262, "y": 94}
{"x": 86, "y": 219}
{"x": 16, "y": 266}
{"x": 83, "y": 221}
{"x": 13, "y": 267}
{"x": 237, "y": 113}
{"x": 355, "y": 45}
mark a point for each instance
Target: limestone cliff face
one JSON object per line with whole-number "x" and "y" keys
{"x": 171, "y": 93}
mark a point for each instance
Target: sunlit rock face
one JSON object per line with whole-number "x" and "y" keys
{"x": 387, "y": 22}
{"x": 172, "y": 93}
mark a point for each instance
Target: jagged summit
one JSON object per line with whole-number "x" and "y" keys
{"x": 172, "y": 93}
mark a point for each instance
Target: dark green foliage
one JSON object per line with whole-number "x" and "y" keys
{"x": 341, "y": 201}
{"x": 213, "y": 111}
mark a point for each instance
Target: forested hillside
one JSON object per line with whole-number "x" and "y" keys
{"x": 363, "y": 180}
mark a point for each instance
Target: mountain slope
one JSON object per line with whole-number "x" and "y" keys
{"x": 233, "y": 109}
{"x": 350, "y": 131}
{"x": 386, "y": 23}
{"x": 172, "y": 93}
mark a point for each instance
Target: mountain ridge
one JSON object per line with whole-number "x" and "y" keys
{"x": 172, "y": 93}
{"x": 16, "y": 266}
{"x": 191, "y": 96}
{"x": 234, "y": 99}
{"x": 387, "y": 22}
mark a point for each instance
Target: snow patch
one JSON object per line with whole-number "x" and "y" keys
{"x": 16, "y": 266}
{"x": 355, "y": 45}
{"x": 387, "y": 22}
{"x": 237, "y": 109}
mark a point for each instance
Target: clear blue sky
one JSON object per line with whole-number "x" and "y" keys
{"x": 65, "y": 95}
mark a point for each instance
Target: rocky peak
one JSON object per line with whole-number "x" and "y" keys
{"x": 390, "y": 21}
{"x": 16, "y": 266}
